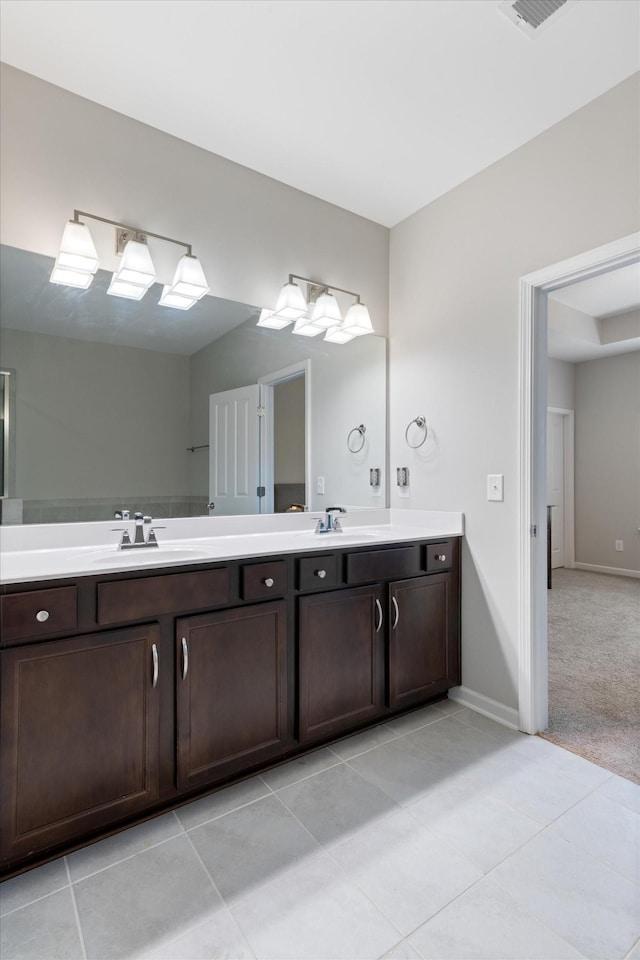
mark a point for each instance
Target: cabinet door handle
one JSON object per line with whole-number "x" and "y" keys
{"x": 154, "y": 659}
{"x": 396, "y": 613}
{"x": 321, "y": 573}
{"x": 380, "y": 616}
{"x": 185, "y": 658}
{"x": 269, "y": 582}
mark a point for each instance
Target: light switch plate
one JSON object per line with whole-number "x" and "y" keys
{"x": 320, "y": 485}
{"x": 495, "y": 486}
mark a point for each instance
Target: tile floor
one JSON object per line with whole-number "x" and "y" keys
{"x": 437, "y": 835}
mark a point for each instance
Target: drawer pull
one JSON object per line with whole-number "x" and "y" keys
{"x": 42, "y": 616}
{"x": 154, "y": 660}
{"x": 396, "y": 613}
{"x": 269, "y": 582}
{"x": 321, "y": 573}
{"x": 380, "y": 616}
{"x": 441, "y": 557}
{"x": 185, "y": 658}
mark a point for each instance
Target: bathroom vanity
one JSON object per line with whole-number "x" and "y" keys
{"x": 131, "y": 684}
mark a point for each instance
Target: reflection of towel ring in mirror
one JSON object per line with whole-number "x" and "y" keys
{"x": 352, "y": 446}
{"x": 422, "y": 424}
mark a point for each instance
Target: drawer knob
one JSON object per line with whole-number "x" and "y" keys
{"x": 321, "y": 573}
{"x": 42, "y": 616}
{"x": 269, "y": 582}
{"x": 441, "y": 557}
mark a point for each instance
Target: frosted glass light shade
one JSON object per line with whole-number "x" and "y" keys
{"x": 269, "y": 320}
{"x": 304, "y": 328}
{"x": 326, "y": 312}
{"x": 338, "y": 334}
{"x": 136, "y": 265}
{"x": 358, "y": 321}
{"x": 77, "y": 260}
{"x": 189, "y": 279}
{"x": 171, "y": 299}
{"x": 291, "y": 303}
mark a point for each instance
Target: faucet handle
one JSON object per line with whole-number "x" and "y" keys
{"x": 126, "y": 539}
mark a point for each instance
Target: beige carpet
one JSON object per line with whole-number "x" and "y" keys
{"x": 594, "y": 668}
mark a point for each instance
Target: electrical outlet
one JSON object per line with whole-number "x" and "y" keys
{"x": 620, "y": 545}
{"x": 320, "y": 485}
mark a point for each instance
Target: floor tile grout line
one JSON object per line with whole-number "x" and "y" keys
{"x": 28, "y": 903}
{"x": 223, "y": 902}
{"x": 76, "y": 911}
{"x": 219, "y": 816}
{"x": 130, "y": 856}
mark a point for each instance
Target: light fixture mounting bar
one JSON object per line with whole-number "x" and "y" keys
{"x": 326, "y": 286}
{"x": 136, "y": 230}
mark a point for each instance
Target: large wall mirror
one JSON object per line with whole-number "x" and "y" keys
{"x": 128, "y": 405}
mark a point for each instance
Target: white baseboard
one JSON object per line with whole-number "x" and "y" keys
{"x": 486, "y": 706}
{"x": 594, "y": 568}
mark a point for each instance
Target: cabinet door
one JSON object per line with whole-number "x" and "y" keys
{"x": 340, "y": 661}
{"x": 423, "y": 645}
{"x": 232, "y": 691}
{"x": 79, "y": 742}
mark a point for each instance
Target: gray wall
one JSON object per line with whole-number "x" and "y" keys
{"x": 607, "y": 452}
{"x": 561, "y": 384}
{"x": 288, "y": 431}
{"x": 62, "y": 152}
{"x": 454, "y": 351}
{"x": 97, "y": 421}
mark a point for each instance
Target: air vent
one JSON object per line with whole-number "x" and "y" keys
{"x": 529, "y": 15}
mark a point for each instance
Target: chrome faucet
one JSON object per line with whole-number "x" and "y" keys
{"x": 139, "y": 538}
{"x": 331, "y": 524}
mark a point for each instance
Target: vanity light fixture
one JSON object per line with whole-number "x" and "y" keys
{"x": 318, "y": 313}
{"x": 77, "y": 262}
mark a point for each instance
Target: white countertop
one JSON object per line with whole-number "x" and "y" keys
{"x": 54, "y": 551}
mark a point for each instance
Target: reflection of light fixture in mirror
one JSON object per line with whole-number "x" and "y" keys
{"x": 77, "y": 262}
{"x": 269, "y": 320}
{"x": 322, "y": 315}
{"x": 338, "y": 334}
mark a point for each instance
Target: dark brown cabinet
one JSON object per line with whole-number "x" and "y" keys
{"x": 423, "y": 645}
{"x": 79, "y": 738}
{"x": 124, "y": 695}
{"x": 231, "y": 691}
{"x": 340, "y": 661}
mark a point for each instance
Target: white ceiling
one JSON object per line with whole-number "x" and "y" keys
{"x": 379, "y": 106}
{"x": 602, "y": 319}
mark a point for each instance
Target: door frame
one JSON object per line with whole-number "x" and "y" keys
{"x": 568, "y": 463}
{"x": 266, "y": 465}
{"x": 532, "y": 673}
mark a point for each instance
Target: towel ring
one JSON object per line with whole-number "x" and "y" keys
{"x": 361, "y": 430}
{"x": 422, "y": 424}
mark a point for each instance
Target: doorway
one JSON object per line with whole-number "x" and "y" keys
{"x": 533, "y": 670}
{"x": 285, "y": 438}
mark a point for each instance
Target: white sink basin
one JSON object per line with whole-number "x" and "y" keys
{"x": 150, "y": 555}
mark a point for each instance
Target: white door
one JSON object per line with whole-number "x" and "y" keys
{"x": 234, "y": 451}
{"x": 555, "y": 485}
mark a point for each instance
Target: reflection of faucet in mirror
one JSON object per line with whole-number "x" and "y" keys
{"x": 332, "y": 523}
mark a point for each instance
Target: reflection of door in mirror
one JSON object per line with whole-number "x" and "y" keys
{"x": 4, "y": 432}
{"x": 288, "y": 445}
{"x": 234, "y": 451}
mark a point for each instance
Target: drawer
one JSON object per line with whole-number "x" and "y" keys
{"x": 259, "y": 581}
{"x": 392, "y": 564}
{"x": 150, "y": 597}
{"x": 439, "y": 556}
{"x": 316, "y": 572}
{"x": 38, "y": 613}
